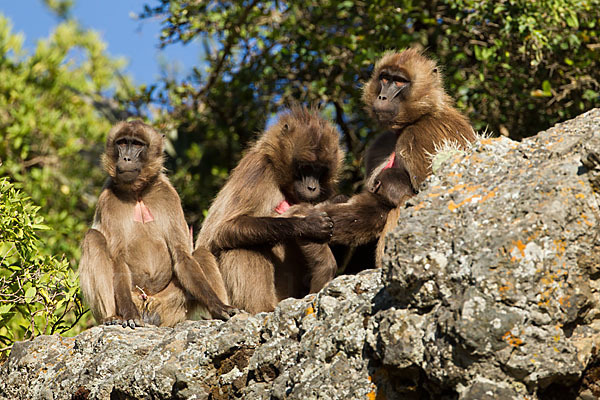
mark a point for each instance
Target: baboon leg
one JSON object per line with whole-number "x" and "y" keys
{"x": 250, "y": 280}
{"x": 321, "y": 264}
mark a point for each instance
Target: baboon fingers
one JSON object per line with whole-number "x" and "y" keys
{"x": 224, "y": 313}
{"x": 125, "y": 323}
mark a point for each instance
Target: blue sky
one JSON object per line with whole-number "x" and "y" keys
{"x": 136, "y": 40}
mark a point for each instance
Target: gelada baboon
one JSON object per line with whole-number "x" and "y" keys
{"x": 405, "y": 95}
{"x": 137, "y": 265}
{"x": 266, "y": 250}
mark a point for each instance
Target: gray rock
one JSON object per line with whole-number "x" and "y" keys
{"x": 490, "y": 290}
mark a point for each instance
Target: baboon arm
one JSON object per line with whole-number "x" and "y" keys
{"x": 247, "y": 231}
{"x": 357, "y": 222}
{"x": 96, "y": 275}
{"x": 195, "y": 282}
{"x": 105, "y": 280}
{"x": 320, "y": 263}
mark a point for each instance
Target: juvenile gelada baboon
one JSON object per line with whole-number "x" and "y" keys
{"x": 137, "y": 265}
{"x": 405, "y": 95}
{"x": 266, "y": 250}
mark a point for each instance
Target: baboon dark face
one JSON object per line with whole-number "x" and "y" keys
{"x": 131, "y": 153}
{"x": 309, "y": 182}
{"x": 394, "y": 84}
{"x": 133, "y": 156}
{"x": 404, "y": 87}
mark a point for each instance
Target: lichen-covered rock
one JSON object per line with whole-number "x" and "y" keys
{"x": 500, "y": 254}
{"x": 489, "y": 291}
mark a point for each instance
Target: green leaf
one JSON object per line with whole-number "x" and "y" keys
{"x": 547, "y": 88}
{"x": 29, "y": 294}
{"x": 5, "y": 308}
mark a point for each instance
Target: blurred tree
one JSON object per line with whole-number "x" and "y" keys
{"x": 514, "y": 66}
{"x": 52, "y": 126}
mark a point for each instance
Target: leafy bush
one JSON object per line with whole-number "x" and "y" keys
{"x": 38, "y": 293}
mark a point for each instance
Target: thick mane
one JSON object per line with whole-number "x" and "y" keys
{"x": 301, "y": 135}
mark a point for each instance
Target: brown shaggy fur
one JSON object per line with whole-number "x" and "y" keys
{"x": 134, "y": 272}
{"x": 263, "y": 256}
{"x": 424, "y": 119}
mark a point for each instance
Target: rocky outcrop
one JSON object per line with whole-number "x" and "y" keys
{"x": 489, "y": 291}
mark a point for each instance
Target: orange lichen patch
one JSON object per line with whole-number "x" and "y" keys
{"x": 475, "y": 158}
{"x": 455, "y": 174}
{"x": 453, "y": 206}
{"x": 310, "y": 310}
{"x": 566, "y": 191}
{"x": 565, "y": 301}
{"x": 430, "y": 195}
{"x": 512, "y": 339}
{"x": 544, "y": 303}
{"x": 548, "y": 279}
{"x": 560, "y": 247}
{"x": 372, "y": 395}
{"x": 519, "y": 245}
{"x": 505, "y": 288}
{"x": 488, "y": 196}
{"x": 580, "y": 196}
{"x": 419, "y": 206}
{"x": 586, "y": 221}
{"x": 582, "y": 183}
{"x": 555, "y": 142}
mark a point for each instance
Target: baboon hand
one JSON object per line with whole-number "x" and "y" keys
{"x": 319, "y": 226}
{"x": 224, "y": 313}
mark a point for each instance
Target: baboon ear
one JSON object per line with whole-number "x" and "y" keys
{"x": 285, "y": 128}
{"x": 435, "y": 70}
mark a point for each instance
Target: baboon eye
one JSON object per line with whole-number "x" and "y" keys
{"x": 137, "y": 143}
{"x": 384, "y": 80}
{"x": 399, "y": 83}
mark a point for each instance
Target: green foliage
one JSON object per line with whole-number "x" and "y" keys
{"x": 514, "y": 66}
{"x": 53, "y": 120}
{"x": 51, "y": 133}
{"x": 38, "y": 293}
{"x": 61, "y": 8}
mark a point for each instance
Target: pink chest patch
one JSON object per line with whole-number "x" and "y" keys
{"x": 142, "y": 213}
{"x": 390, "y": 162}
{"x": 282, "y": 207}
